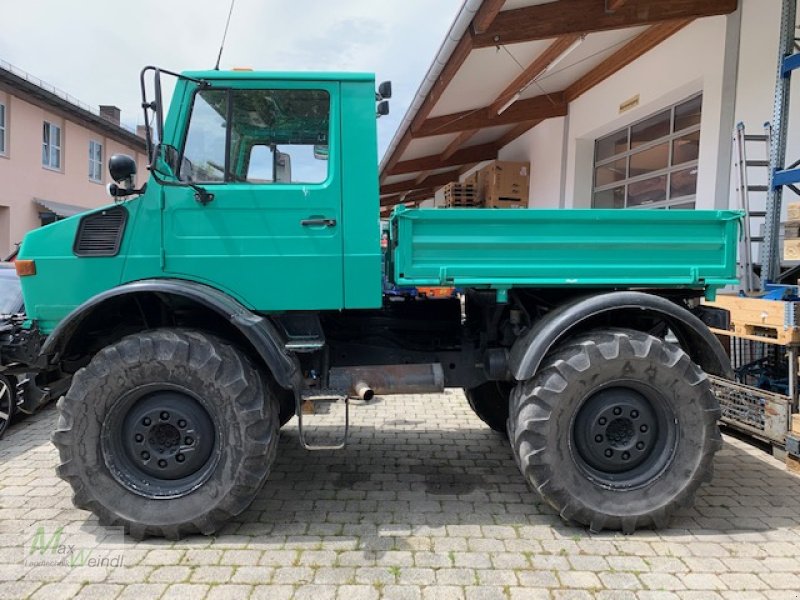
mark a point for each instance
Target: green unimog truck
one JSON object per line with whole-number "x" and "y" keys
{"x": 242, "y": 281}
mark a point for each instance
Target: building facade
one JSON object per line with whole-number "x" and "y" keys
{"x": 53, "y": 154}
{"x": 633, "y": 106}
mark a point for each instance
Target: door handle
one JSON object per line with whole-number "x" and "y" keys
{"x": 318, "y": 222}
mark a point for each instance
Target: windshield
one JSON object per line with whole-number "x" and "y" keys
{"x": 10, "y": 291}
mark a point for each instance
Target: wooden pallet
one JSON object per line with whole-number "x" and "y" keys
{"x": 769, "y": 321}
{"x": 461, "y": 195}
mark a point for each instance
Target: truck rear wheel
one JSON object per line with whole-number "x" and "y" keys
{"x": 167, "y": 433}
{"x": 489, "y": 401}
{"x": 616, "y": 430}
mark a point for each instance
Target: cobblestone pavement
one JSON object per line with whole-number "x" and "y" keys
{"x": 425, "y": 504}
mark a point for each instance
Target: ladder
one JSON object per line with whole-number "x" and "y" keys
{"x": 742, "y": 141}
{"x": 780, "y": 175}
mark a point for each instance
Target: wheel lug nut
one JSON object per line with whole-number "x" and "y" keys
{"x": 643, "y": 428}
{"x": 181, "y": 423}
{"x": 634, "y": 414}
{"x": 162, "y": 463}
{"x": 625, "y": 456}
{"x": 139, "y": 438}
{"x": 164, "y": 415}
{"x": 146, "y": 421}
{"x": 609, "y": 453}
{"x": 180, "y": 457}
{"x": 145, "y": 455}
{"x": 188, "y": 440}
{"x": 640, "y": 446}
{"x": 602, "y": 421}
{"x": 598, "y": 438}
{"x": 617, "y": 410}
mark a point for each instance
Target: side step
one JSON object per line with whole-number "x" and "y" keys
{"x": 308, "y": 399}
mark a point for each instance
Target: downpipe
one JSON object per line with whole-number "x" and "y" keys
{"x": 383, "y": 380}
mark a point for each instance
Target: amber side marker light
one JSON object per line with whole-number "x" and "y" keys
{"x": 25, "y": 267}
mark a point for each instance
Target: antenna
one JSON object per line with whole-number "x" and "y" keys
{"x": 224, "y": 35}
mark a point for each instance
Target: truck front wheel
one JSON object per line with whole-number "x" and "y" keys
{"x": 616, "y": 431}
{"x": 166, "y": 433}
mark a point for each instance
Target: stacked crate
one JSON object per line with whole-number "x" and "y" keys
{"x": 793, "y": 446}
{"x": 461, "y": 195}
{"x": 504, "y": 184}
{"x": 791, "y": 232}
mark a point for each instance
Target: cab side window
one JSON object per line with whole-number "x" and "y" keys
{"x": 280, "y": 136}
{"x": 274, "y": 136}
{"x": 204, "y": 151}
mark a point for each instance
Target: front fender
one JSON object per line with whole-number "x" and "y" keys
{"x": 259, "y": 331}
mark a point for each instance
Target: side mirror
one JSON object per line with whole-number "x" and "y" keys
{"x": 383, "y": 108}
{"x": 385, "y": 90}
{"x": 122, "y": 168}
{"x": 283, "y": 167}
{"x": 321, "y": 152}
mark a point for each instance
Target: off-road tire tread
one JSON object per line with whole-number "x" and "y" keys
{"x": 538, "y": 397}
{"x": 203, "y": 353}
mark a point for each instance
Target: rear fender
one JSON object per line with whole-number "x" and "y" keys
{"x": 614, "y": 309}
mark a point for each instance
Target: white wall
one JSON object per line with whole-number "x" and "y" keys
{"x": 731, "y": 59}
{"x": 688, "y": 62}
{"x": 543, "y": 147}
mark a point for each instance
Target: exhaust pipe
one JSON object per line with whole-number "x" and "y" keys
{"x": 382, "y": 380}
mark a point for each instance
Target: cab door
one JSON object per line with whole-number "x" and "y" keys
{"x": 258, "y": 214}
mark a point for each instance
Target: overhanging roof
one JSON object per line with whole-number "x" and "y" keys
{"x": 60, "y": 209}
{"x": 507, "y": 65}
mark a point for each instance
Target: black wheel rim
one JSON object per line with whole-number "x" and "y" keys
{"x": 6, "y": 404}
{"x": 160, "y": 441}
{"x": 624, "y": 435}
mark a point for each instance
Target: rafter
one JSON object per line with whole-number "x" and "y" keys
{"x": 614, "y": 5}
{"x": 415, "y": 196}
{"x": 516, "y": 131}
{"x": 457, "y": 58}
{"x": 644, "y": 42}
{"x": 553, "y": 19}
{"x": 461, "y": 139}
{"x": 539, "y": 107}
{"x": 486, "y": 15}
{"x": 465, "y": 155}
{"x": 533, "y": 70}
{"x": 408, "y": 185}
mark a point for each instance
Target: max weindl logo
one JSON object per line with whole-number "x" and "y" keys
{"x": 60, "y": 546}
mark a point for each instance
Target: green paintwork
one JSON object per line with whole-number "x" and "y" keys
{"x": 501, "y": 249}
{"x": 249, "y": 242}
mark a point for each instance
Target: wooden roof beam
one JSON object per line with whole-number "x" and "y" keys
{"x": 614, "y": 5}
{"x": 457, "y": 58}
{"x": 535, "y": 69}
{"x": 408, "y": 185}
{"x": 486, "y": 15}
{"x": 543, "y": 21}
{"x": 539, "y": 107}
{"x": 415, "y": 196}
{"x": 470, "y": 154}
{"x": 461, "y": 139}
{"x": 644, "y": 42}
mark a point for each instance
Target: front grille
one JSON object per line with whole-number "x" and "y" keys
{"x": 100, "y": 233}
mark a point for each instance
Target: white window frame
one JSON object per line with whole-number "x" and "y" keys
{"x": 95, "y": 164}
{"x": 3, "y": 129}
{"x": 669, "y": 202}
{"x": 51, "y": 150}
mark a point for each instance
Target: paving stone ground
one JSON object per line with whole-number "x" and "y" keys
{"x": 425, "y": 504}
